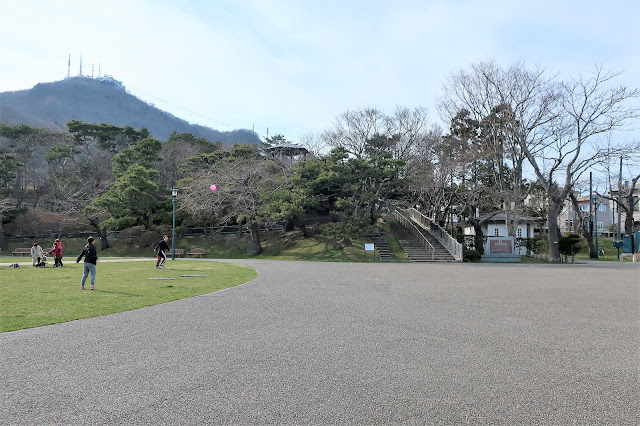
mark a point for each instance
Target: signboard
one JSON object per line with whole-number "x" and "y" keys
{"x": 500, "y": 249}
{"x": 501, "y": 245}
{"x": 369, "y": 247}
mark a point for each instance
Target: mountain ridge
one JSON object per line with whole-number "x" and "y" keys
{"x": 101, "y": 100}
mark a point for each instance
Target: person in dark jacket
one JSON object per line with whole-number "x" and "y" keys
{"x": 90, "y": 255}
{"x": 162, "y": 248}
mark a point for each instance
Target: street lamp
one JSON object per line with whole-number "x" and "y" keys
{"x": 596, "y": 203}
{"x": 174, "y": 194}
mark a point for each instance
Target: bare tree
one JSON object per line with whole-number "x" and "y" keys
{"x": 403, "y": 131}
{"x": 511, "y": 106}
{"x": 590, "y": 107}
{"x": 242, "y": 186}
{"x": 314, "y": 143}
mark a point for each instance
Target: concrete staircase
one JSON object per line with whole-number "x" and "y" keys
{"x": 416, "y": 250}
{"x": 382, "y": 247}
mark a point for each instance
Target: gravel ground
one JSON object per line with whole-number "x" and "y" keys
{"x": 344, "y": 343}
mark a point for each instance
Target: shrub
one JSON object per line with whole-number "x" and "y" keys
{"x": 471, "y": 256}
{"x": 148, "y": 239}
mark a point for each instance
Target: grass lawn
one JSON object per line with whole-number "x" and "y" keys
{"x": 31, "y": 297}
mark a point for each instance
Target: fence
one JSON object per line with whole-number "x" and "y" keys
{"x": 447, "y": 241}
{"x": 415, "y": 231}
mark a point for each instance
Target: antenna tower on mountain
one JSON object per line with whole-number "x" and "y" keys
{"x": 80, "y": 74}
{"x": 69, "y": 66}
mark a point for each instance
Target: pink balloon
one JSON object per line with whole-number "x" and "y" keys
{"x": 213, "y": 187}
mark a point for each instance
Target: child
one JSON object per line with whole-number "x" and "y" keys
{"x": 162, "y": 248}
{"x": 57, "y": 253}
{"x": 61, "y": 252}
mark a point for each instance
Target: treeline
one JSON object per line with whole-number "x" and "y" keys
{"x": 503, "y": 123}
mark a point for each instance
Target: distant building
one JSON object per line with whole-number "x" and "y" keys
{"x": 286, "y": 151}
{"x": 569, "y": 219}
{"x": 494, "y": 225}
{"x": 605, "y": 214}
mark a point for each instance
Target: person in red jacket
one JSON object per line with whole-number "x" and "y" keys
{"x": 61, "y": 251}
{"x": 57, "y": 254}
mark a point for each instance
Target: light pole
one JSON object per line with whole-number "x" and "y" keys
{"x": 174, "y": 194}
{"x": 596, "y": 202}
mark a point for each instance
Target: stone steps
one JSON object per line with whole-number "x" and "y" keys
{"x": 416, "y": 250}
{"x": 382, "y": 247}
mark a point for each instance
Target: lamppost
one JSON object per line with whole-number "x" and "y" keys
{"x": 596, "y": 203}
{"x": 174, "y": 194}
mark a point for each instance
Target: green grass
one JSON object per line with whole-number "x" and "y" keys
{"x": 31, "y": 297}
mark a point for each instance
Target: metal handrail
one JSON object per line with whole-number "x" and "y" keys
{"x": 447, "y": 241}
{"x": 416, "y": 232}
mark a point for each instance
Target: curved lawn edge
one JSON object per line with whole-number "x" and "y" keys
{"x": 33, "y": 297}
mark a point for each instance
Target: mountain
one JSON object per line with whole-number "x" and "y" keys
{"x": 101, "y": 100}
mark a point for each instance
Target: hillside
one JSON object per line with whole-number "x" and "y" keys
{"x": 52, "y": 105}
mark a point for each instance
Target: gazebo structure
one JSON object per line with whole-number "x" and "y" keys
{"x": 286, "y": 150}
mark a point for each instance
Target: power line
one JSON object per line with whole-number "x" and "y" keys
{"x": 189, "y": 111}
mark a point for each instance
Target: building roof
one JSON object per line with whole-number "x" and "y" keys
{"x": 498, "y": 217}
{"x": 286, "y": 149}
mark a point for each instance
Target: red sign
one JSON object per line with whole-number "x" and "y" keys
{"x": 500, "y": 246}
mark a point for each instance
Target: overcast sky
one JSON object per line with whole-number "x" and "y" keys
{"x": 293, "y": 66}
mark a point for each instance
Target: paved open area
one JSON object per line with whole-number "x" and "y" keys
{"x": 344, "y": 343}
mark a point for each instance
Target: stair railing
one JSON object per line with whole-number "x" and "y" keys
{"x": 415, "y": 231}
{"x": 447, "y": 241}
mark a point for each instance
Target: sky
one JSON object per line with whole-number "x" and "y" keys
{"x": 291, "y": 67}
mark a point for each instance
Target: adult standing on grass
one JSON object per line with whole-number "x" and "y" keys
{"x": 36, "y": 254}
{"x": 162, "y": 248}
{"x": 90, "y": 255}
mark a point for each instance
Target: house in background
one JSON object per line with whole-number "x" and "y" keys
{"x": 635, "y": 201}
{"x": 494, "y": 225}
{"x": 569, "y": 219}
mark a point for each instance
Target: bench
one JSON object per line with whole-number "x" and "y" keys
{"x": 178, "y": 252}
{"x": 22, "y": 251}
{"x": 633, "y": 256}
{"x": 196, "y": 252}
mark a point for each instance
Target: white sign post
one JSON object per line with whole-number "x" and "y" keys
{"x": 372, "y": 248}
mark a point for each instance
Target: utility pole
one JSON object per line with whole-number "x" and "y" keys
{"x": 591, "y": 210}
{"x": 619, "y": 199}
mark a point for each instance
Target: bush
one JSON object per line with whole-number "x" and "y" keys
{"x": 148, "y": 239}
{"x": 569, "y": 245}
{"x": 131, "y": 235}
{"x": 471, "y": 256}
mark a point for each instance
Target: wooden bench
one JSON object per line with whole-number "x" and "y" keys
{"x": 22, "y": 251}
{"x": 178, "y": 252}
{"x": 196, "y": 252}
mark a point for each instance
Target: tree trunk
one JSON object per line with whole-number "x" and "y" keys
{"x": 628, "y": 223}
{"x": 254, "y": 230}
{"x": 3, "y": 240}
{"x": 586, "y": 233}
{"x": 554, "y": 231}
{"x": 478, "y": 238}
{"x": 300, "y": 223}
{"x": 104, "y": 242}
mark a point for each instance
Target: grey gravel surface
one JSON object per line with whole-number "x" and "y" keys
{"x": 343, "y": 343}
